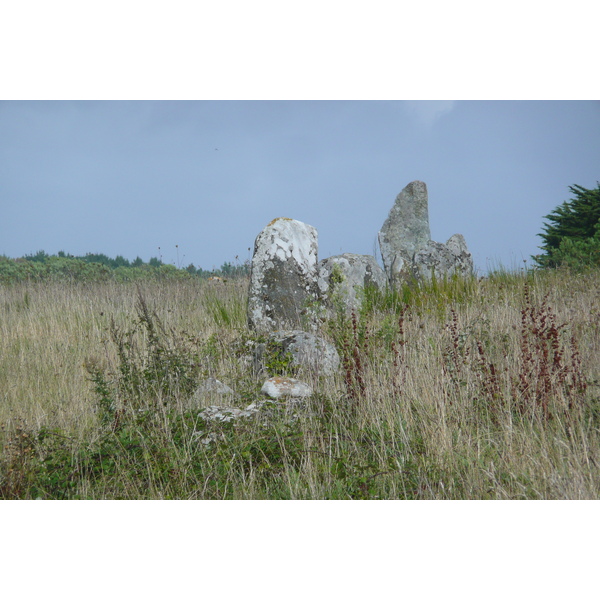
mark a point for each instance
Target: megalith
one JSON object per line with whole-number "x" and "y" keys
{"x": 306, "y": 351}
{"x": 405, "y": 232}
{"x": 408, "y": 252}
{"x": 342, "y": 280}
{"x": 451, "y": 258}
{"x": 283, "y": 278}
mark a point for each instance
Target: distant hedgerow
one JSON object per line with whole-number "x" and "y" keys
{"x": 99, "y": 267}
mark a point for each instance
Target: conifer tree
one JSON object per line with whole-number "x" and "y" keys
{"x": 571, "y": 234}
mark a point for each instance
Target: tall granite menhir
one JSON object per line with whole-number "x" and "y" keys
{"x": 407, "y": 250}
{"x": 283, "y": 279}
{"x": 405, "y": 231}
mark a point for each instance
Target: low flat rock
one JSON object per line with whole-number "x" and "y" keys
{"x": 263, "y": 411}
{"x": 278, "y": 387}
{"x": 225, "y": 414}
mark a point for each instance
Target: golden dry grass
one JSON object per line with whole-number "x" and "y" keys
{"x": 432, "y": 420}
{"x": 49, "y": 331}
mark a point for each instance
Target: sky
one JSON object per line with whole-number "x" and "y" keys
{"x": 194, "y": 182}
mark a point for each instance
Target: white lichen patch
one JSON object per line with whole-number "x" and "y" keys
{"x": 287, "y": 239}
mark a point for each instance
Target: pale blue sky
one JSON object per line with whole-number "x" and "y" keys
{"x": 128, "y": 177}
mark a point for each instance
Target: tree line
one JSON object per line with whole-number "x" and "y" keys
{"x": 42, "y": 266}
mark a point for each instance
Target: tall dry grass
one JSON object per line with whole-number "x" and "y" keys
{"x": 49, "y": 331}
{"x": 477, "y": 389}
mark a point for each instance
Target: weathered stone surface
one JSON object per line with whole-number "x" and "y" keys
{"x": 405, "y": 232}
{"x": 342, "y": 278}
{"x": 225, "y": 414}
{"x": 265, "y": 411}
{"x": 307, "y": 351}
{"x": 277, "y": 387}
{"x": 458, "y": 246}
{"x": 283, "y": 280}
{"x": 444, "y": 260}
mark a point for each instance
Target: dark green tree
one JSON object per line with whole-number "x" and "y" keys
{"x": 121, "y": 261}
{"x": 571, "y": 236}
{"x": 155, "y": 262}
{"x": 97, "y": 258}
{"x": 39, "y": 256}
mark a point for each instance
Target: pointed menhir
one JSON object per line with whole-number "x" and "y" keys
{"x": 405, "y": 232}
{"x": 407, "y": 249}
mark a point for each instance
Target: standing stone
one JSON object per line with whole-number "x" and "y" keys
{"x": 444, "y": 260}
{"x": 283, "y": 279}
{"x": 343, "y": 278}
{"x": 405, "y": 232}
{"x": 407, "y": 249}
{"x": 306, "y": 351}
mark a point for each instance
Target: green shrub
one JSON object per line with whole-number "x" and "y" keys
{"x": 578, "y": 254}
{"x": 571, "y": 235}
{"x": 156, "y": 367}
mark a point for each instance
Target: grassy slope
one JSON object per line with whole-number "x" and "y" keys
{"x": 463, "y": 396}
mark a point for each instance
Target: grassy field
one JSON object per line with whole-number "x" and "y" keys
{"x": 478, "y": 389}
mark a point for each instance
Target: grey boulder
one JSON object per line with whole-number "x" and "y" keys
{"x": 342, "y": 280}
{"x": 278, "y": 387}
{"x": 444, "y": 260}
{"x": 207, "y": 392}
